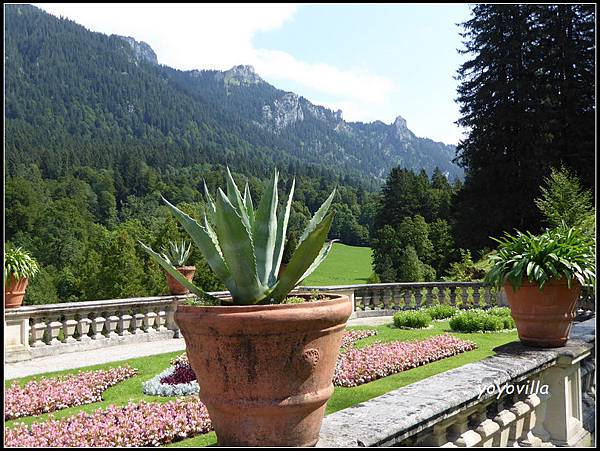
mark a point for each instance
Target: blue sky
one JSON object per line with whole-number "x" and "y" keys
{"x": 374, "y": 62}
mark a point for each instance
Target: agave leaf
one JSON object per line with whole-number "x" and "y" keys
{"x": 248, "y": 204}
{"x": 282, "y": 224}
{"x": 264, "y": 231}
{"x": 235, "y": 197}
{"x": 238, "y": 251}
{"x": 207, "y": 245}
{"x": 211, "y": 210}
{"x": 322, "y": 256}
{"x": 303, "y": 258}
{"x": 177, "y": 275}
{"x": 317, "y": 218}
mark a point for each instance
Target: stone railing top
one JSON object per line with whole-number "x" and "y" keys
{"x": 392, "y": 284}
{"x": 400, "y": 413}
{"x": 65, "y": 307}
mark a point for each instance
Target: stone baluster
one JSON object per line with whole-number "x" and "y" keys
{"x": 407, "y": 297}
{"x": 166, "y": 319}
{"x": 149, "y": 321}
{"x": 539, "y": 431}
{"x": 517, "y": 430}
{"x": 112, "y": 321}
{"x": 529, "y": 439}
{"x": 38, "y": 328}
{"x": 476, "y": 296}
{"x": 418, "y": 297}
{"x": 83, "y": 327}
{"x": 438, "y": 436}
{"x": 504, "y": 419}
{"x": 69, "y": 328}
{"x": 464, "y": 295}
{"x": 441, "y": 295}
{"x": 138, "y": 321}
{"x": 387, "y": 297}
{"x": 459, "y": 432}
{"x": 98, "y": 323}
{"x": 453, "y": 295}
{"x": 124, "y": 322}
{"x": 376, "y": 297}
{"x": 471, "y": 437}
{"x": 428, "y": 296}
{"x": 487, "y": 295}
{"x": 53, "y": 328}
{"x": 400, "y": 297}
{"x": 487, "y": 429}
{"x": 367, "y": 299}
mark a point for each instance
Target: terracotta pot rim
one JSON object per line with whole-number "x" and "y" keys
{"x": 525, "y": 283}
{"x": 187, "y": 268}
{"x": 338, "y": 298}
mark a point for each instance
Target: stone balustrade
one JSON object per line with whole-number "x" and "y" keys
{"x": 386, "y": 298}
{"x": 522, "y": 396}
{"x": 41, "y": 330}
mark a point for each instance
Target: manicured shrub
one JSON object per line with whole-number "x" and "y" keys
{"x": 359, "y": 366}
{"x": 135, "y": 425}
{"x": 47, "y": 395}
{"x": 441, "y": 311}
{"x": 414, "y": 319}
{"x": 499, "y": 311}
{"x": 478, "y": 320}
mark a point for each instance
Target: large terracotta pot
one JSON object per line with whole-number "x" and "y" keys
{"x": 265, "y": 371}
{"x": 174, "y": 286}
{"x": 14, "y": 291}
{"x": 544, "y": 318}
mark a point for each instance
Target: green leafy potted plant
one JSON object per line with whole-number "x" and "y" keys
{"x": 177, "y": 254}
{"x": 542, "y": 276}
{"x": 265, "y": 366}
{"x": 19, "y": 266}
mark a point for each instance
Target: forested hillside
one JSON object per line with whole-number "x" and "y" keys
{"x": 77, "y": 98}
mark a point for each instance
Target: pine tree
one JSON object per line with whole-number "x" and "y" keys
{"x": 526, "y": 99}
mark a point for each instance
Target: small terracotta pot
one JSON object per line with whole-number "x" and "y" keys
{"x": 174, "y": 286}
{"x": 14, "y": 291}
{"x": 544, "y": 318}
{"x": 265, "y": 370}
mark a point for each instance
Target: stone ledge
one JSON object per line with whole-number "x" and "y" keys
{"x": 389, "y": 418}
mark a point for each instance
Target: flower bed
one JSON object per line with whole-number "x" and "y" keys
{"x": 179, "y": 380}
{"x": 359, "y": 366}
{"x": 47, "y": 395}
{"x": 137, "y": 424}
{"x": 352, "y": 336}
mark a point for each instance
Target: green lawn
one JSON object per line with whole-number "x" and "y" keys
{"x": 345, "y": 265}
{"x": 342, "y": 397}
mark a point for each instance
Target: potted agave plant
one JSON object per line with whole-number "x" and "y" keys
{"x": 177, "y": 255}
{"x": 19, "y": 266}
{"x": 542, "y": 276}
{"x": 265, "y": 365}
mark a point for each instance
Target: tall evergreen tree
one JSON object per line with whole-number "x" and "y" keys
{"x": 525, "y": 98}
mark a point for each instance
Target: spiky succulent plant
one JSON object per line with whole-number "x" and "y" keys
{"x": 178, "y": 253}
{"x": 244, "y": 247}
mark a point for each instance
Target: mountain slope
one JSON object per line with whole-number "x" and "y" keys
{"x": 74, "y": 97}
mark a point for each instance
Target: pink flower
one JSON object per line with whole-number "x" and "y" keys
{"x": 359, "y": 366}
{"x": 47, "y": 395}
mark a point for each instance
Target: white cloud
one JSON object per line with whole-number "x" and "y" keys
{"x": 219, "y": 36}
